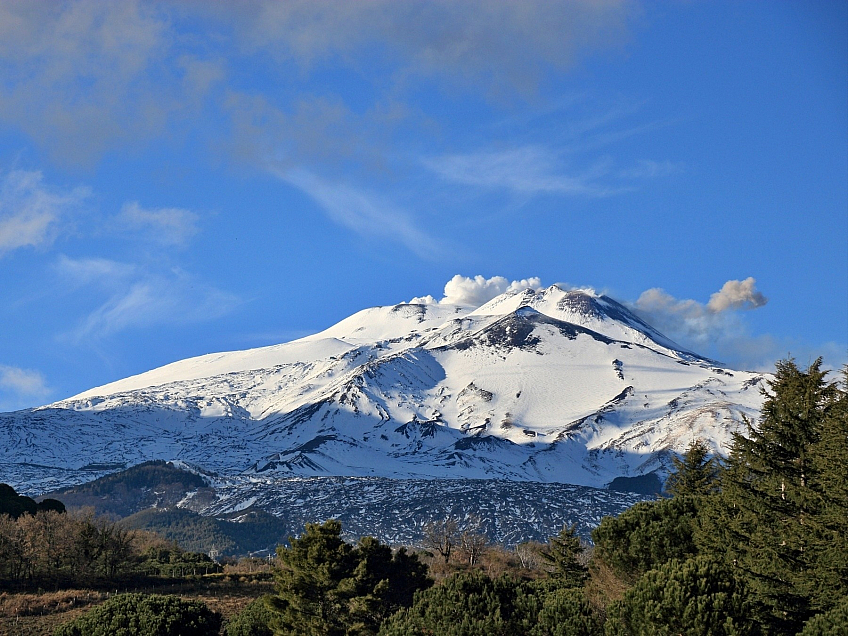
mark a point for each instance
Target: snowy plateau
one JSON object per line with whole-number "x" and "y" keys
{"x": 547, "y": 386}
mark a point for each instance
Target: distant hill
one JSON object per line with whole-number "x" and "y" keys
{"x": 150, "y": 484}
{"x": 250, "y": 531}
{"x": 145, "y": 497}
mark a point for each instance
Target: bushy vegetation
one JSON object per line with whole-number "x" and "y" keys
{"x": 253, "y": 620}
{"x": 474, "y": 604}
{"x": 51, "y": 549}
{"x": 697, "y": 597}
{"x": 327, "y": 586}
{"x": 145, "y": 615}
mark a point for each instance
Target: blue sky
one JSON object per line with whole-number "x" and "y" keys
{"x": 182, "y": 178}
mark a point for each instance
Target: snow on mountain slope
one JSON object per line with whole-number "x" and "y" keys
{"x": 553, "y": 385}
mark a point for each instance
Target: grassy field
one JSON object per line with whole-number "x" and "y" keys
{"x": 39, "y": 613}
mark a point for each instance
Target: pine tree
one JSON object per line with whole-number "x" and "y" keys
{"x": 763, "y": 520}
{"x": 695, "y": 474}
{"x": 695, "y": 597}
{"x": 308, "y": 600}
{"x": 829, "y": 544}
{"x": 646, "y": 535}
{"x": 560, "y": 557}
{"x": 326, "y": 587}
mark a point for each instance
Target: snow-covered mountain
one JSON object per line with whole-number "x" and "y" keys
{"x": 553, "y": 385}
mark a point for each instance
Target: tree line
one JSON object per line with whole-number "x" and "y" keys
{"x": 59, "y": 549}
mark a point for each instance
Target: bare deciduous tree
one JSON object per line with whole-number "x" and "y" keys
{"x": 529, "y": 554}
{"x": 441, "y": 536}
{"x": 472, "y": 540}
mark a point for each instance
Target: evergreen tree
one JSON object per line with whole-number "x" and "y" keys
{"x": 695, "y": 474}
{"x": 474, "y": 604}
{"x": 832, "y": 623}
{"x": 381, "y": 584}
{"x": 560, "y": 558}
{"x": 308, "y": 600}
{"x": 564, "y": 612}
{"x": 464, "y": 605}
{"x": 326, "y": 587}
{"x": 646, "y": 535}
{"x": 697, "y": 597}
{"x": 764, "y": 519}
{"x": 829, "y": 527}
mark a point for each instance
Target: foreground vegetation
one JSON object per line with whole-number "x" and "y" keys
{"x": 757, "y": 545}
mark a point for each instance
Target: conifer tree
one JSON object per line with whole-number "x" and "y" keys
{"x": 696, "y": 597}
{"x": 326, "y": 587}
{"x": 763, "y": 520}
{"x": 560, "y": 557}
{"x": 308, "y": 600}
{"x": 695, "y": 474}
{"x": 829, "y": 545}
{"x": 646, "y": 535}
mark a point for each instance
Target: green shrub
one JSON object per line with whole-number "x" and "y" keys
{"x": 832, "y": 623}
{"x": 475, "y": 605}
{"x": 145, "y": 615}
{"x": 253, "y": 620}
{"x": 698, "y": 597}
{"x": 647, "y": 535}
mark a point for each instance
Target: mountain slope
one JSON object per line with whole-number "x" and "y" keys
{"x": 557, "y": 385}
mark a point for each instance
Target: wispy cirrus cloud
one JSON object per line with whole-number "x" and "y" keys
{"x": 166, "y": 226}
{"x": 524, "y": 170}
{"x": 80, "y": 77}
{"x": 503, "y": 45}
{"x": 363, "y": 212}
{"x": 137, "y": 297}
{"x": 20, "y": 388}
{"x": 33, "y": 214}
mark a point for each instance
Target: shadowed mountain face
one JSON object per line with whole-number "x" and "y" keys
{"x": 549, "y": 386}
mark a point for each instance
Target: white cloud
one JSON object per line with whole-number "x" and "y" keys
{"x": 526, "y": 170}
{"x": 505, "y": 45}
{"x": 100, "y": 271}
{"x": 696, "y": 322}
{"x": 167, "y": 226}
{"x": 82, "y": 77}
{"x": 365, "y": 213}
{"x": 31, "y": 213}
{"x": 714, "y": 328}
{"x": 23, "y": 382}
{"x": 21, "y": 388}
{"x": 157, "y": 301}
{"x": 476, "y": 291}
{"x": 79, "y": 77}
{"x": 139, "y": 298}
